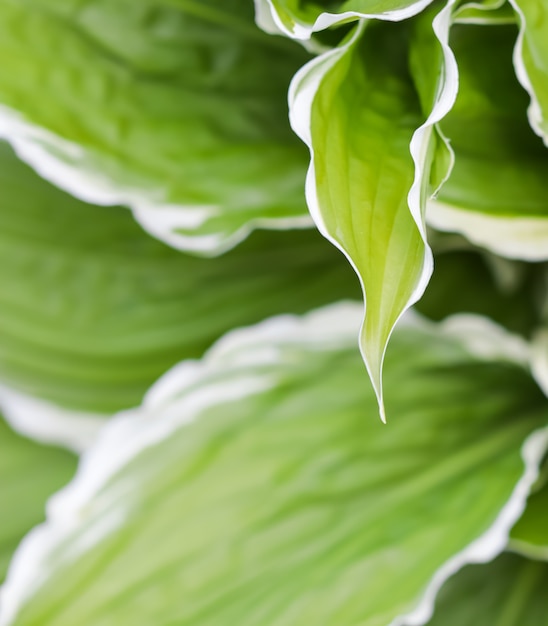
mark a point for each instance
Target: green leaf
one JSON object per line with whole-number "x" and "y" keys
{"x": 176, "y": 109}
{"x": 361, "y": 111}
{"x": 29, "y": 474}
{"x": 510, "y": 591}
{"x": 496, "y": 193}
{"x": 489, "y": 12}
{"x": 530, "y": 535}
{"x": 464, "y": 281}
{"x": 93, "y": 310}
{"x": 531, "y": 60}
{"x": 300, "y": 20}
{"x": 255, "y": 487}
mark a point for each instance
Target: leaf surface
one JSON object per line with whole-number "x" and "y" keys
{"x": 177, "y": 109}
{"x": 256, "y": 487}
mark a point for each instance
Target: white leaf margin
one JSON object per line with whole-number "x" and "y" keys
{"x": 181, "y": 397}
{"x": 534, "y": 111}
{"x": 302, "y": 91}
{"x": 268, "y": 18}
{"x": 522, "y": 238}
{"x": 48, "y": 423}
{"x": 67, "y": 165}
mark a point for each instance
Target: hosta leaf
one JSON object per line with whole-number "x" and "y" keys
{"x": 485, "y": 12}
{"x": 301, "y": 19}
{"x": 464, "y": 282}
{"x": 510, "y": 591}
{"x": 29, "y": 474}
{"x": 496, "y": 194}
{"x": 531, "y": 60}
{"x": 256, "y": 487}
{"x": 175, "y": 109}
{"x": 93, "y": 310}
{"x": 360, "y": 109}
{"x": 530, "y": 534}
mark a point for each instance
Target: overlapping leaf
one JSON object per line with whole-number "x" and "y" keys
{"x": 177, "y": 109}
{"x": 29, "y": 474}
{"x": 496, "y": 194}
{"x": 255, "y": 487}
{"x": 93, "y": 310}
{"x": 360, "y": 108}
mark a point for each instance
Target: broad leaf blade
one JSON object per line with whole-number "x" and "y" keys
{"x": 251, "y": 488}
{"x": 177, "y": 110}
{"x": 358, "y": 110}
{"x": 93, "y": 310}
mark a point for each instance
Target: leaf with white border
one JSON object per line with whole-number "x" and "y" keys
{"x": 93, "y": 310}
{"x": 177, "y": 110}
{"x": 358, "y": 110}
{"x": 251, "y": 487}
{"x": 531, "y": 60}
{"x": 496, "y": 194}
{"x": 300, "y": 20}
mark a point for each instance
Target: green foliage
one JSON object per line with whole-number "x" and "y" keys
{"x": 168, "y": 306}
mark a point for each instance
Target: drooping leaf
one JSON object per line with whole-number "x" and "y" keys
{"x": 29, "y": 474}
{"x": 361, "y": 109}
{"x": 301, "y": 19}
{"x": 256, "y": 487}
{"x": 496, "y": 193}
{"x": 93, "y": 310}
{"x": 510, "y": 591}
{"x": 176, "y": 109}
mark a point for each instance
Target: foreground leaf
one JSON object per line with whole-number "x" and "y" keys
{"x": 255, "y": 487}
{"x": 93, "y": 310}
{"x": 29, "y": 474}
{"x": 510, "y": 591}
{"x": 360, "y": 109}
{"x": 175, "y": 109}
{"x": 496, "y": 194}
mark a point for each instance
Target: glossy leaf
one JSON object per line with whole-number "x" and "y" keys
{"x": 176, "y": 109}
{"x": 257, "y": 487}
{"x": 93, "y": 310}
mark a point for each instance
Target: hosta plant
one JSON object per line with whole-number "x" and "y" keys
{"x": 232, "y": 236}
